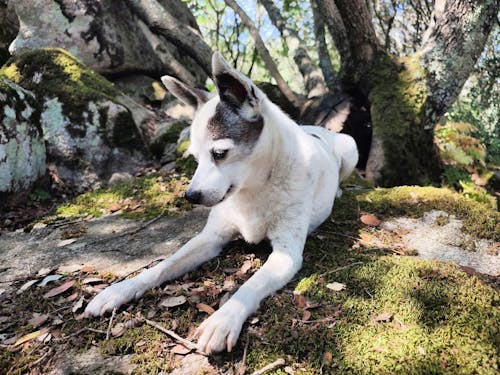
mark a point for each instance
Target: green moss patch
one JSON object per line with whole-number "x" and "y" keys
{"x": 395, "y": 315}
{"x": 54, "y": 72}
{"x": 144, "y": 197}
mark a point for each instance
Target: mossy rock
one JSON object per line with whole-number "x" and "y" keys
{"x": 22, "y": 148}
{"x": 85, "y": 128}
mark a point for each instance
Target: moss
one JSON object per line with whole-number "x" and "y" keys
{"x": 144, "y": 197}
{"x": 479, "y": 219}
{"x": 397, "y": 97}
{"x": 171, "y": 135}
{"x": 54, "y": 72}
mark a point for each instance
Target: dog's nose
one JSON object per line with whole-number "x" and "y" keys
{"x": 193, "y": 196}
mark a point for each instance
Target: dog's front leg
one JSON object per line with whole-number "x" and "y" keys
{"x": 198, "y": 250}
{"x": 223, "y": 327}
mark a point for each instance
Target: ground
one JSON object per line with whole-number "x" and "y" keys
{"x": 363, "y": 302}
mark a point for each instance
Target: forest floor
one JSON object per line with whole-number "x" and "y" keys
{"x": 366, "y": 300}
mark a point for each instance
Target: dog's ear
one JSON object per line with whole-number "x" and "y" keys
{"x": 234, "y": 88}
{"x": 189, "y": 95}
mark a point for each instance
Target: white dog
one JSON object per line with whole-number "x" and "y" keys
{"x": 265, "y": 176}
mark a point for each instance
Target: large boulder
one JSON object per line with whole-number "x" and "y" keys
{"x": 8, "y": 30}
{"x": 89, "y": 134}
{"x": 22, "y": 148}
{"x": 105, "y": 35}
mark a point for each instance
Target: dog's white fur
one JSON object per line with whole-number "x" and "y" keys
{"x": 283, "y": 190}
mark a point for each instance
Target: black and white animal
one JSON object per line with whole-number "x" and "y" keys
{"x": 265, "y": 177}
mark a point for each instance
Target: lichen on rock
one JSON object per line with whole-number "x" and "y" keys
{"x": 22, "y": 148}
{"x": 87, "y": 131}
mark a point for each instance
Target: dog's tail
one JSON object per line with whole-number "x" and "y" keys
{"x": 346, "y": 151}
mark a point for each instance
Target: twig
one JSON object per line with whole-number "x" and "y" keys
{"x": 39, "y": 360}
{"x": 188, "y": 344}
{"x": 340, "y": 268}
{"x": 80, "y": 331}
{"x": 242, "y": 368}
{"x": 329, "y": 319}
{"x": 110, "y": 324}
{"x": 277, "y": 363}
{"x": 339, "y": 234}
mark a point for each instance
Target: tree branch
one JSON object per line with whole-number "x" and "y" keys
{"x": 184, "y": 37}
{"x": 324, "y": 57}
{"x": 264, "y": 53}
{"x": 313, "y": 77}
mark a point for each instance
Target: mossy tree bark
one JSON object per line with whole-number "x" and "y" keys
{"x": 409, "y": 95}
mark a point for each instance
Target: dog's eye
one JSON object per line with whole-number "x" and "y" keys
{"x": 219, "y": 154}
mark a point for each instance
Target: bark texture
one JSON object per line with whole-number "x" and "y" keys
{"x": 313, "y": 77}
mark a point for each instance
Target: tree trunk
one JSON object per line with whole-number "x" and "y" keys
{"x": 324, "y": 57}
{"x": 183, "y": 36}
{"x": 313, "y": 78}
{"x": 264, "y": 53}
{"x": 408, "y": 95}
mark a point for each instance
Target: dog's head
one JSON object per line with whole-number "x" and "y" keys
{"x": 225, "y": 129}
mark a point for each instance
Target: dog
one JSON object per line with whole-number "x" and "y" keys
{"x": 265, "y": 177}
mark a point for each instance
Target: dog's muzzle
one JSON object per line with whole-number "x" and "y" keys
{"x": 193, "y": 196}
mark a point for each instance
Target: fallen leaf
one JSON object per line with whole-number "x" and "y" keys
{"x": 180, "y": 349}
{"x": 60, "y": 289}
{"x": 306, "y": 316}
{"x": 114, "y": 207}
{"x": 247, "y": 265}
{"x": 205, "y": 308}
{"x": 300, "y": 301}
{"x": 77, "y": 306}
{"x": 70, "y": 268}
{"x": 336, "y": 287}
{"x": 87, "y": 269}
{"x": 92, "y": 280}
{"x": 370, "y": 220}
{"x": 31, "y": 336}
{"x": 49, "y": 279}
{"x": 229, "y": 284}
{"x": 38, "y": 320}
{"x": 328, "y": 357}
{"x": 26, "y": 286}
{"x": 173, "y": 301}
{"x": 72, "y": 297}
{"x": 383, "y": 317}
{"x": 254, "y": 320}
{"x": 118, "y": 330}
{"x": 44, "y": 271}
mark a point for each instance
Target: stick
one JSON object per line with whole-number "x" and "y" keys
{"x": 277, "y": 363}
{"x": 188, "y": 344}
{"x": 110, "y": 324}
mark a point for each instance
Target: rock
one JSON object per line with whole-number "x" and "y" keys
{"x": 141, "y": 88}
{"x": 105, "y": 35}
{"x": 164, "y": 143}
{"x": 92, "y": 362}
{"x": 9, "y": 29}
{"x": 89, "y": 135}
{"x": 22, "y": 147}
{"x": 118, "y": 178}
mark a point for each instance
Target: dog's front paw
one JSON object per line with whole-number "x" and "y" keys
{"x": 113, "y": 297}
{"x": 221, "y": 329}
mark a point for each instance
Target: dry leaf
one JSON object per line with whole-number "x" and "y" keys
{"x": 328, "y": 357}
{"x": 72, "y": 297}
{"x": 70, "y": 268}
{"x": 92, "y": 280}
{"x": 118, "y": 330}
{"x": 205, "y": 308}
{"x": 44, "y": 271}
{"x": 49, "y": 279}
{"x": 306, "y": 316}
{"x": 385, "y": 317}
{"x": 247, "y": 265}
{"x": 229, "y": 284}
{"x": 87, "y": 269}
{"x": 371, "y": 220}
{"x": 173, "y": 301}
{"x": 77, "y": 306}
{"x": 300, "y": 301}
{"x": 336, "y": 287}
{"x": 31, "y": 336}
{"x": 60, "y": 289}
{"x": 114, "y": 207}
{"x": 26, "y": 286}
{"x": 180, "y": 349}
{"x": 38, "y": 320}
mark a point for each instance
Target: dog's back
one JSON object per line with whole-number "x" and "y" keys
{"x": 341, "y": 145}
